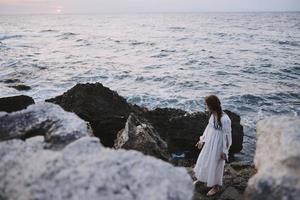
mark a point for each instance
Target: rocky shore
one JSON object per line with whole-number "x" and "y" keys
{"x": 89, "y": 142}
{"x": 48, "y": 153}
{"x": 107, "y": 112}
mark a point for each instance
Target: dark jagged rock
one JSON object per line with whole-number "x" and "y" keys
{"x": 237, "y": 132}
{"x": 106, "y": 111}
{"x": 15, "y": 103}
{"x": 8, "y": 81}
{"x": 49, "y": 120}
{"x": 16, "y": 84}
{"x": 178, "y": 128}
{"x": 182, "y": 130}
{"x": 140, "y": 135}
{"x": 21, "y": 87}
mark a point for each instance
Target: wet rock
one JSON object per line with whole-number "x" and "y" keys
{"x": 181, "y": 130}
{"x": 16, "y": 84}
{"x": 85, "y": 169}
{"x": 140, "y": 135}
{"x": 49, "y": 120}
{"x": 277, "y": 160}
{"x": 13, "y": 80}
{"x": 106, "y": 111}
{"x": 15, "y": 103}
{"x": 237, "y": 132}
{"x": 20, "y": 87}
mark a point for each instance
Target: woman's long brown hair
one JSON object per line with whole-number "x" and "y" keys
{"x": 214, "y": 104}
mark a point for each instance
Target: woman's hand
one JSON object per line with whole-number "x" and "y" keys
{"x": 199, "y": 144}
{"x": 223, "y": 156}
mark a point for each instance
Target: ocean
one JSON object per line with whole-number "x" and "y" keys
{"x": 251, "y": 61}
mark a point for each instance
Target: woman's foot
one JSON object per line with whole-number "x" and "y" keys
{"x": 214, "y": 190}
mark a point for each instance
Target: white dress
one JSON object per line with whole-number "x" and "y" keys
{"x": 209, "y": 166}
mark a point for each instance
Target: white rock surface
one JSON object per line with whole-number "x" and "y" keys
{"x": 85, "y": 169}
{"x": 141, "y": 136}
{"x": 50, "y": 120}
{"x": 277, "y": 160}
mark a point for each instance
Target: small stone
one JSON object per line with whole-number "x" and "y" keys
{"x": 7, "y": 81}
{"x": 21, "y": 87}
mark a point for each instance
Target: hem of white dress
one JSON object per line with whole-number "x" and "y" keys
{"x": 207, "y": 185}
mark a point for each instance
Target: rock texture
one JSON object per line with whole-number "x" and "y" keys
{"x": 236, "y": 176}
{"x": 49, "y": 120}
{"x": 85, "y": 169}
{"x": 178, "y": 128}
{"x": 21, "y": 87}
{"x": 277, "y": 160}
{"x": 15, "y": 103}
{"x": 181, "y": 130}
{"x": 140, "y": 135}
{"x": 106, "y": 111}
{"x": 16, "y": 84}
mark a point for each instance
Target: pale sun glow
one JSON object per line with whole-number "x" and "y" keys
{"x": 58, "y": 9}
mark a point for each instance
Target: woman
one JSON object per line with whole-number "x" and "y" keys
{"x": 217, "y": 141}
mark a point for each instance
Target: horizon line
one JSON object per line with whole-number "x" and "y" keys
{"x": 146, "y": 12}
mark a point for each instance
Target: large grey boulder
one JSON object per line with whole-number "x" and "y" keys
{"x": 85, "y": 169}
{"x": 139, "y": 135}
{"x": 49, "y": 120}
{"x": 277, "y": 160}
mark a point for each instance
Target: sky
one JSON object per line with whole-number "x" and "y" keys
{"x": 141, "y": 6}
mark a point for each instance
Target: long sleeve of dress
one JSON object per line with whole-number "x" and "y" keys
{"x": 227, "y": 137}
{"x": 203, "y": 136}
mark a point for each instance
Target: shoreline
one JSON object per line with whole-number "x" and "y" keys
{"x": 89, "y": 119}
{"x": 103, "y": 108}
{"x": 240, "y": 156}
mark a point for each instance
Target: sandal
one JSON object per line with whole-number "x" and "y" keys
{"x": 213, "y": 191}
